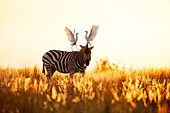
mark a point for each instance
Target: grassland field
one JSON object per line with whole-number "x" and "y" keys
{"x": 105, "y": 89}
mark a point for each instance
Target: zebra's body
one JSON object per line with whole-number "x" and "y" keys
{"x": 67, "y": 62}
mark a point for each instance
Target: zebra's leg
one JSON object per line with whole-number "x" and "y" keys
{"x": 48, "y": 75}
{"x": 48, "y": 69}
{"x": 83, "y": 73}
{"x": 71, "y": 74}
{"x": 50, "y": 72}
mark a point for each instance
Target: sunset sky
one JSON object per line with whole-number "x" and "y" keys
{"x": 131, "y": 32}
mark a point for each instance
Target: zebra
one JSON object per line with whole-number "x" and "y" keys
{"x": 67, "y": 62}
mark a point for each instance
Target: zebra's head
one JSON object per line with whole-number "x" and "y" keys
{"x": 86, "y": 53}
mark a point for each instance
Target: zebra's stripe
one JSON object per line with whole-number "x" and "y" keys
{"x": 54, "y": 57}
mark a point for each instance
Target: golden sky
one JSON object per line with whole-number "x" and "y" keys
{"x": 131, "y": 32}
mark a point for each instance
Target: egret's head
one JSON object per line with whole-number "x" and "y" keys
{"x": 86, "y": 32}
{"x": 77, "y": 34}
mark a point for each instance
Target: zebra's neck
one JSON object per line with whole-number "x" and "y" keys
{"x": 80, "y": 60}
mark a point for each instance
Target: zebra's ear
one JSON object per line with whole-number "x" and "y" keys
{"x": 81, "y": 46}
{"x": 87, "y": 45}
{"x": 91, "y": 47}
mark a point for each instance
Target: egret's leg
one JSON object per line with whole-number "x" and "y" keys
{"x": 72, "y": 48}
{"x": 77, "y": 47}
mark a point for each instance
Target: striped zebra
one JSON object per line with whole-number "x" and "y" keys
{"x": 67, "y": 62}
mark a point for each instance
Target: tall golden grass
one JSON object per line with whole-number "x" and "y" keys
{"x": 105, "y": 89}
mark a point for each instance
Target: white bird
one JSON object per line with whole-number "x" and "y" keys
{"x": 71, "y": 37}
{"x": 92, "y": 34}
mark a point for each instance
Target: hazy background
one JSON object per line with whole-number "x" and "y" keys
{"x": 131, "y": 32}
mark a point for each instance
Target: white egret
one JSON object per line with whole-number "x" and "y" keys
{"x": 92, "y": 34}
{"x": 71, "y": 37}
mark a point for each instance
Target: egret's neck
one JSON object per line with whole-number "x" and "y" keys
{"x": 76, "y": 37}
{"x": 86, "y": 34}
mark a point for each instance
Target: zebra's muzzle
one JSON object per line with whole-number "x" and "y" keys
{"x": 87, "y": 62}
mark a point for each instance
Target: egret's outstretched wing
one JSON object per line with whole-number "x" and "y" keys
{"x": 70, "y": 35}
{"x": 93, "y": 32}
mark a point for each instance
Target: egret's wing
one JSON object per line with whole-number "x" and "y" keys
{"x": 70, "y": 35}
{"x": 92, "y": 28}
{"x": 93, "y": 32}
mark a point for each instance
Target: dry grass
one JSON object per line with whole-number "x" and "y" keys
{"x": 106, "y": 89}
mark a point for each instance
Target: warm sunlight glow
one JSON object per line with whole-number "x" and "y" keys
{"x": 130, "y": 32}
